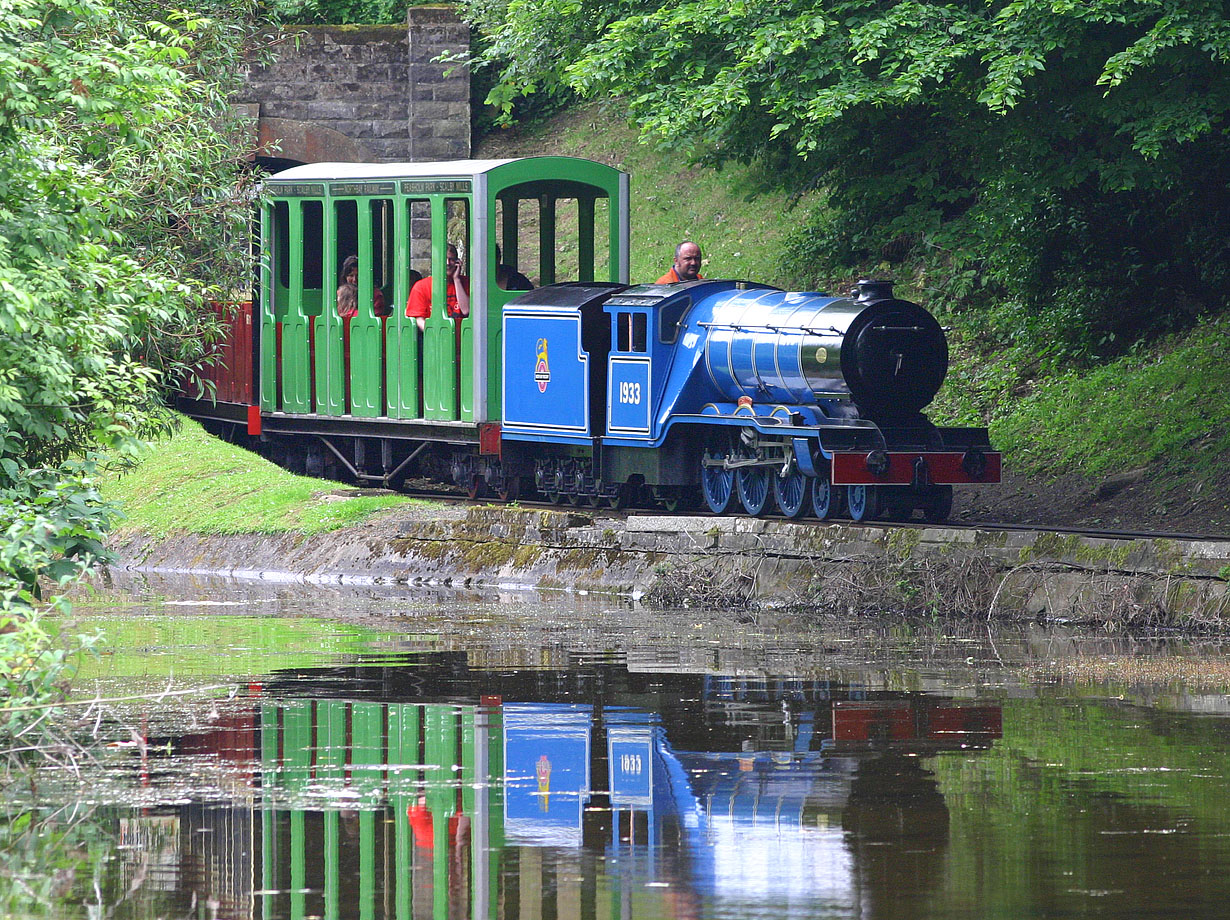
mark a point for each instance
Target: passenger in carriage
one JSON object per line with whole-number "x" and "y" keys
{"x": 508, "y": 278}
{"x": 457, "y": 297}
{"x": 348, "y": 292}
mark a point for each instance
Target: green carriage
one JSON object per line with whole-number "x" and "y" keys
{"x": 343, "y": 379}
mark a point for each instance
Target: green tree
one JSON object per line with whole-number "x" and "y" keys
{"x": 124, "y": 204}
{"x": 1060, "y": 160}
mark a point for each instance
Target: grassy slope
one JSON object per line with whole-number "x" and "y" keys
{"x": 196, "y": 483}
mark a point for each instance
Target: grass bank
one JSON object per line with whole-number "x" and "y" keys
{"x": 195, "y": 483}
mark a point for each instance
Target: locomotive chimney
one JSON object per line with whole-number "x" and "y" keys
{"x": 868, "y": 291}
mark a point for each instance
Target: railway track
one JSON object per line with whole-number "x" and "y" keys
{"x": 457, "y": 497}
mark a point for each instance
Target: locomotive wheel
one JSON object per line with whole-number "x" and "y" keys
{"x": 620, "y": 500}
{"x": 476, "y": 487}
{"x": 718, "y": 486}
{"x": 938, "y": 506}
{"x": 792, "y": 493}
{"x": 827, "y": 500}
{"x": 863, "y": 502}
{"x": 755, "y": 493}
{"x": 670, "y": 498}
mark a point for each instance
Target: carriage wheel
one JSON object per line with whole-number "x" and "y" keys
{"x": 792, "y": 493}
{"x": 863, "y": 502}
{"x": 755, "y": 493}
{"x": 718, "y": 486}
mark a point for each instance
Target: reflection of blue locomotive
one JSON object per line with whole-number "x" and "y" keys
{"x": 745, "y": 393}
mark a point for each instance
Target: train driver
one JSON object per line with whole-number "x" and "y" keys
{"x": 457, "y": 298}
{"x": 686, "y": 266}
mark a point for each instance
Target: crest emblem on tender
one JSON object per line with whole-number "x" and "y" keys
{"x": 542, "y": 370}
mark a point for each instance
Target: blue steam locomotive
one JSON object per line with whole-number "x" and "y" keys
{"x": 586, "y": 389}
{"x": 744, "y": 395}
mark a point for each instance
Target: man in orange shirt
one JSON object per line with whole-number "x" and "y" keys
{"x": 687, "y": 264}
{"x": 457, "y": 297}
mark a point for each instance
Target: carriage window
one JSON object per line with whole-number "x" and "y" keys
{"x": 280, "y": 246}
{"x": 457, "y": 217}
{"x": 518, "y": 237}
{"x": 346, "y": 231}
{"x": 582, "y": 235}
{"x": 313, "y": 244}
{"x": 550, "y": 238}
{"x": 602, "y": 240}
{"x": 632, "y": 328}
{"x": 420, "y": 241}
{"x": 381, "y": 212}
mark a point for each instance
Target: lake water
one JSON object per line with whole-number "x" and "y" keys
{"x": 293, "y": 751}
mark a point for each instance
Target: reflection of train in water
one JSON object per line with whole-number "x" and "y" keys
{"x": 581, "y": 794}
{"x": 586, "y": 389}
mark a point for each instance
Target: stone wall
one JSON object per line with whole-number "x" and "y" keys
{"x": 439, "y": 93}
{"x": 705, "y": 561}
{"x": 352, "y": 93}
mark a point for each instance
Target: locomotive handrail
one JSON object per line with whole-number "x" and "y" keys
{"x": 797, "y": 330}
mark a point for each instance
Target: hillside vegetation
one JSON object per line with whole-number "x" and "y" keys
{"x": 1160, "y": 410}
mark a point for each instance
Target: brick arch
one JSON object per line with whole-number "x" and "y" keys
{"x": 306, "y": 142}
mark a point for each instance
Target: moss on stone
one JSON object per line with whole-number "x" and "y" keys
{"x": 902, "y": 541}
{"x": 493, "y": 554}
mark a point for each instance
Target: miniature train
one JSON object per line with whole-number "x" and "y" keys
{"x": 729, "y": 395}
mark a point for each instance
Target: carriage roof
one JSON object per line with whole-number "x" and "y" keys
{"x": 544, "y": 167}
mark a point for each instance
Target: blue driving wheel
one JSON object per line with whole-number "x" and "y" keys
{"x": 718, "y": 485}
{"x": 755, "y": 493}
{"x": 826, "y": 499}
{"x": 792, "y": 493}
{"x": 863, "y": 502}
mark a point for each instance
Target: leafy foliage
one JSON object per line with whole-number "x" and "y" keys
{"x": 337, "y": 12}
{"x": 122, "y": 194}
{"x": 1044, "y": 162}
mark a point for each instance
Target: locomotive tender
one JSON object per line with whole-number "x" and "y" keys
{"x": 586, "y": 388}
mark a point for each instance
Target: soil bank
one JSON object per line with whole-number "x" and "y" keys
{"x": 674, "y": 561}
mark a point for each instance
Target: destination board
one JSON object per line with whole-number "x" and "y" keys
{"x": 435, "y": 186}
{"x": 363, "y": 188}
{"x": 298, "y": 190}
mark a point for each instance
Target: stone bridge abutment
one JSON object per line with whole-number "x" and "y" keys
{"x": 364, "y": 93}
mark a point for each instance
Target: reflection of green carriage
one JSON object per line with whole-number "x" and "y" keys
{"x": 555, "y": 218}
{"x": 413, "y": 787}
